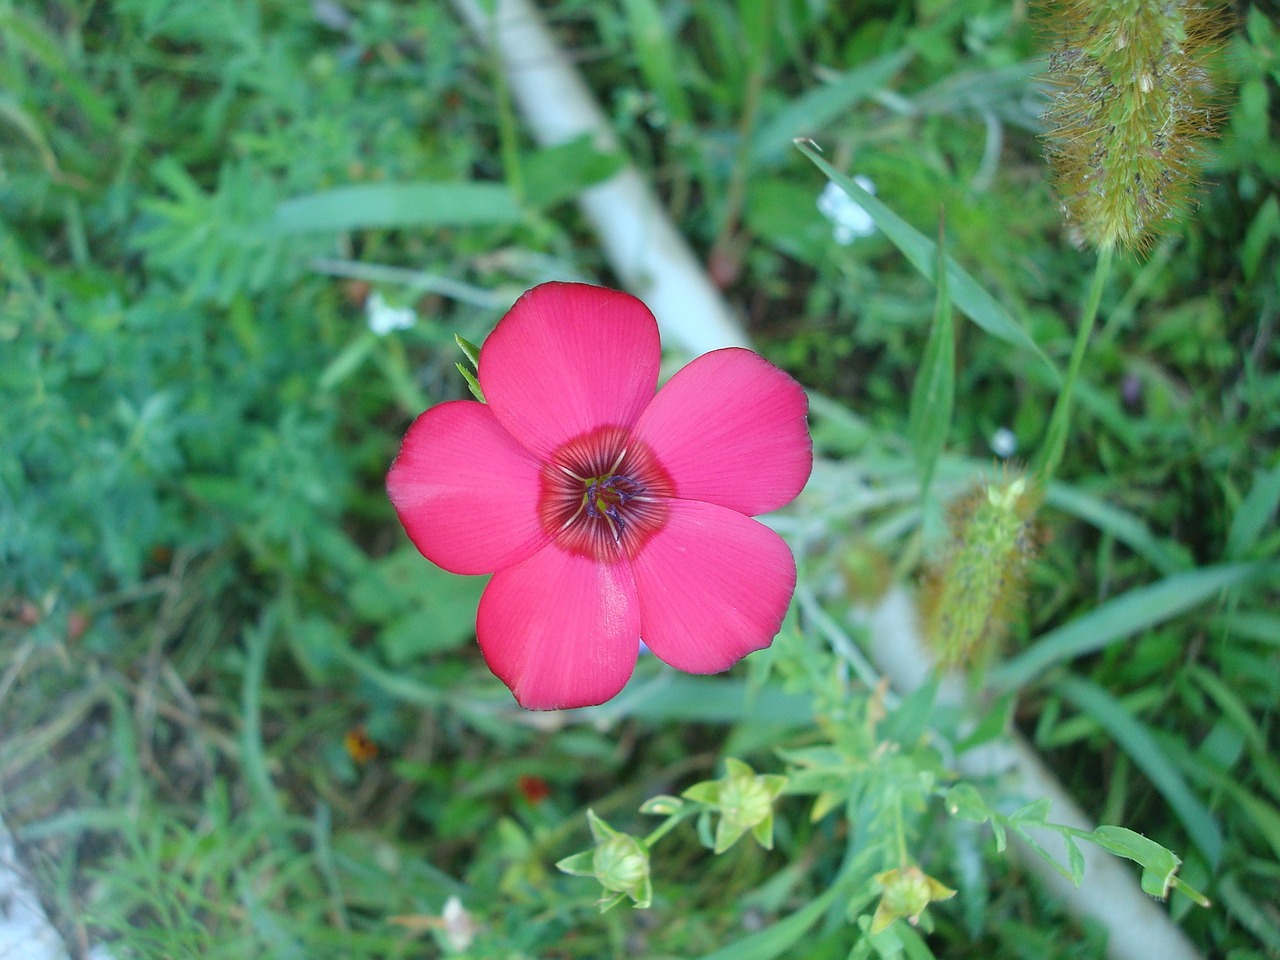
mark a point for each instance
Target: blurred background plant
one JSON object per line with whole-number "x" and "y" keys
{"x": 241, "y": 717}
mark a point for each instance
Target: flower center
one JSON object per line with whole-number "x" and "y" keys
{"x": 603, "y": 495}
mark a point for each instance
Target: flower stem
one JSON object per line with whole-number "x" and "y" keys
{"x": 1055, "y": 441}
{"x": 669, "y": 824}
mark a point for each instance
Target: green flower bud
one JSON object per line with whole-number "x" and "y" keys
{"x": 618, "y": 861}
{"x": 744, "y": 800}
{"x": 907, "y": 891}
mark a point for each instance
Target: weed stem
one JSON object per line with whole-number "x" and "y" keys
{"x": 1055, "y": 442}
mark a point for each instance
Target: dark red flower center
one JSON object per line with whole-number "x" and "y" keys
{"x": 604, "y": 494}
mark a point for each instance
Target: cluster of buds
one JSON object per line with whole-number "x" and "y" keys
{"x": 742, "y": 799}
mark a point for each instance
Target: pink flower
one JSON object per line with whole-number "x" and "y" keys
{"x": 606, "y": 513}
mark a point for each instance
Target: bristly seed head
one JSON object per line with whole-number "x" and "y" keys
{"x": 1133, "y": 104}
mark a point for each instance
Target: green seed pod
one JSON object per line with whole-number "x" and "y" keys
{"x": 1133, "y": 105}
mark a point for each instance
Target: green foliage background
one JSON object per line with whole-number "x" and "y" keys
{"x": 203, "y": 588}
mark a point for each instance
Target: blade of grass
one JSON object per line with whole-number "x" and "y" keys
{"x": 1124, "y": 526}
{"x": 1253, "y": 517}
{"x": 934, "y": 392}
{"x": 967, "y": 294}
{"x": 366, "y": 206}
{"x": 1135, "y": 739}
{"x": 1119, "y": 618}
{"x": 814, "y": 109}
{"x": 655, "y": 53}
{"x": 776, "y": 940}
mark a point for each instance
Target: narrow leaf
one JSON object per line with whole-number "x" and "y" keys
{"x": 1136, "y": 740}
{"x": 374, "y": 205}
{"x": 1253, "y": 516}
{"x": 966, "y": 293}
{"x": 1119, "y": 618}
{"x": 774, "y": 941}
{"x": 814, "y": 109}
{"x": 934, "y": 391}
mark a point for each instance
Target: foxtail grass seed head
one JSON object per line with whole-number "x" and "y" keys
{"x": 971, "y": 595}
{"x": 1133, "y": 106}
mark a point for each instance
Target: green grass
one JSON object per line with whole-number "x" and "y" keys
{"x": 203, "y": 589}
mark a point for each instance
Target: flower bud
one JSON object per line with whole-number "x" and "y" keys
{"x": 744, "y": 800}
{"x": 619, "y": 862}
{"x": 906, "y": 892}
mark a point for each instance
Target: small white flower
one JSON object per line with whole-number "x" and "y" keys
{"x": 1004, "y": 443}
{"x": 459, "y": 926}
{"x": 848, "y": 220}
{"x": 383, "y": 318}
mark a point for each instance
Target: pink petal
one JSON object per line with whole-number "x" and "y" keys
{"x": 560, "y": 630}
{"x": 731, "y": 428}
{"x": 465, "y": 491}
{"x": 569, "y": 358}
{"x": 713, "y": 586}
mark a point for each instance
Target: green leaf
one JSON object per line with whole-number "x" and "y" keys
{"x": 1119, "y": 618}
{"x": 909, "y": 720}
{"x": 1259, "y": 920}
{"x": 1036, "y": 812}
{"x": 578, "y": 864}
{"x": 469, "y": 350}
{"x": 1158, "y": 863}
{"x": 1254, "y": 516}
{"x": 558, "y": 173}
{"x": 934, "y": 392}
{"x": 655, "y": 52}
{"x": 380, "y": 205}
{"x": 774, "y": 941}
{"x": 1124, "y": 526}
{"x": 965, "y": 802}
{"x": 978, "y": 305}
{"x": 663, "y": 805}
{"x": 815, "y": 109}
{"x": 1132, "y": 735}
{"x": 473, "y": 384}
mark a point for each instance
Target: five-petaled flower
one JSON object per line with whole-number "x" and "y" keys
{"x": 607, "y": 513}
